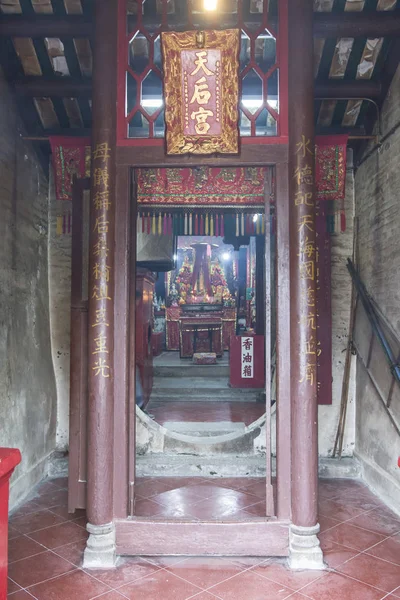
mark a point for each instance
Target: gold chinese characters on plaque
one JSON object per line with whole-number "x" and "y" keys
{"x": 201, "y": 91}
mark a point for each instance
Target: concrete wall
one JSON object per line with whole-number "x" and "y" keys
{"x": 342, "y": 248}
{"x": 27, "y": 386}
{"x": 377, "y": 208}
{"x": 60, "y": 307}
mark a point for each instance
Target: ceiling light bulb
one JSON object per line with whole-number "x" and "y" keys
{"x": 210, "y": 4}
{"x": 226, "y": 256}
{"x": 255, "y": 218}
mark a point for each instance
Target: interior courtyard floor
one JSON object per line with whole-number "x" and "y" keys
{"x": 360, "y": 538}
{"x": 184, "y": 392}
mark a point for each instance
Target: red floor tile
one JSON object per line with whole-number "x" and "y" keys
{"x": 27, "y": 509}
{"x": 73, "y": 553}
{"x": 60, "y": 482}
{"x": 279, "y": 572}
{"x": 184, "y": 496}
{"x": 352, "y": 537}
{"x": 335, "y": 554}
{"x": 368, "y": 569}
{"x": 62, "y": 511}
{"x": 327, "y": 523}
{"x": 55, "y": 498}
{"x": 162, "y": 584}
{"x": 21, "y": 595}
{"x": 23, "y": 547}
{"x": 203, "y": 596}
{"x": 59, "y": 535}
{"x": 48, "y": 487}
{"x": 12, "y": 586}
{"x": 334, "y": 586}
{"x": 249, "y": 585}
{"x": 72, "y": 586}
{"x": 378, "y": 523}
{"x": 256, "y": 510}
{"x": 36, "y": 521}
{"x": 35, "y": 569}
{"x": 341, "y": 511}
{"x": 151, "y": 488}
{"x": 129, "y": 569}
{"x": 205, "y": 572}
{"x": 389, "y": 550}
{"x": 12, "y": 532}
{"x": 111, "y": 596}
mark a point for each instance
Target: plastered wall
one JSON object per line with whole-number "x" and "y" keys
{"x": 28, "y": 400}
{"x": 377, "y": 185}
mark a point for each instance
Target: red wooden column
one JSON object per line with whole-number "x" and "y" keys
{"x": 305, "y": 551}
{"x": 100, "y": 550}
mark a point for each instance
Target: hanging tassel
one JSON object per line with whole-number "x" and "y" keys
{"x": 186, "y": 225}
{"x": 222, "y": 226}
{"x": 263, "y": 224}
{"x": 201, "y": 225}
{"x": 242, "y": 224}
{"x": 153, "y": 224}
{"x": 148, "y": 224}
{"x": 143, "y": 222}
{"x": 212, "y": 225}
{"x": 237, "y": 225}
{"x": 196, "y": 225}
{"x": 159, "y": 224}
{"x": 206, "y": 225}
{"x": 216, "y": 226}
{"x": 165, "y": 224}
{"x": 170, "y": 224}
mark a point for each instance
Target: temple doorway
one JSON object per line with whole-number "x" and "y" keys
{"x": 205, "y": 393}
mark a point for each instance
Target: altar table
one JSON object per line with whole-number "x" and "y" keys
{"x": 200, "y": 334}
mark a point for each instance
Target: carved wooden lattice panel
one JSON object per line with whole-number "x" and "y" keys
{"x": 262, "y": 57}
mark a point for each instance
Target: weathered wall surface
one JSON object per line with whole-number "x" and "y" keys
{"x": 342, "y": 248}
{"x": 27, "y": 387}
{"x": 60, "y": 305}
{"x": 377, "y": 208}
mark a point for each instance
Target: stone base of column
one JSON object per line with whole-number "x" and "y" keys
{"x": 304, "y": 548}
{"x": 100, "y": 548}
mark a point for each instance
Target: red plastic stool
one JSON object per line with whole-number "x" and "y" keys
{"x": 9, "y": 459}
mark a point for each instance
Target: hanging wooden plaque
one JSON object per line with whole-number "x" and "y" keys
{"x": 201, "y": 91}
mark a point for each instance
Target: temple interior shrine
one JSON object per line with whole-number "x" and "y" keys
{"x": 200, "y": 331}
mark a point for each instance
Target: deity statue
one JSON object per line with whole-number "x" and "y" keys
{"x": 173, "y": 295}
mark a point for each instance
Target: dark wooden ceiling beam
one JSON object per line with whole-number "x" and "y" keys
{"x": 346, "y": 90}
{"x": 76, "y": 26}
{"x": 357, "y": 24}
{"x": 68, "y": 87}
{"x": 60, "y": 87}
{"x": 326, "y": 25}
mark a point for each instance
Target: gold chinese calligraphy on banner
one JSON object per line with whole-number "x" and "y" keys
{"x": 201, "y": 91}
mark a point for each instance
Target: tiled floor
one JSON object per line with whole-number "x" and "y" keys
{"x": 360, "y": 538}
{"x": 232, "y": 412}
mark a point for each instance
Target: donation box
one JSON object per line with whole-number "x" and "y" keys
{"x": 247, "y": 361}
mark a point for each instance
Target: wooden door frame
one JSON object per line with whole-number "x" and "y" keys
{"x": 137, "y": 535}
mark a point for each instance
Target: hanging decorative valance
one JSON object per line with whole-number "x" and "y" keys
{"x": 226, "y": 187}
